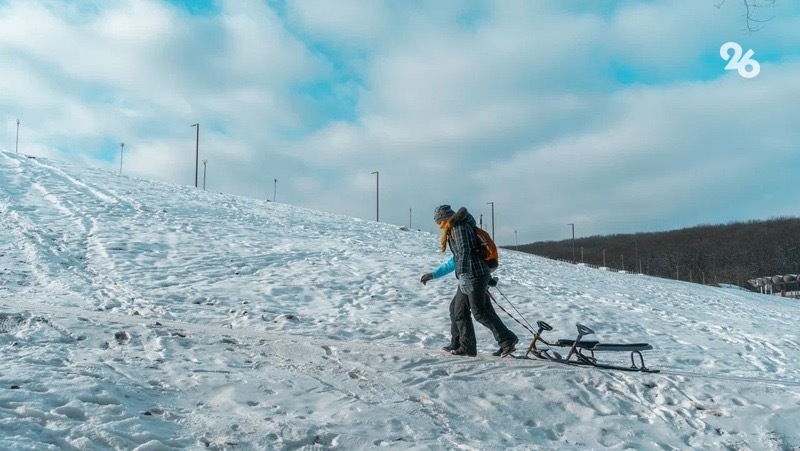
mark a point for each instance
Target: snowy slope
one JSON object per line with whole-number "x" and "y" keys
{"x": 142, "y": 315}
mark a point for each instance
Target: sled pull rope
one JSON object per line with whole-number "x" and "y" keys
{"x": 529, "y": 328}
{"x": 515, "y": 308}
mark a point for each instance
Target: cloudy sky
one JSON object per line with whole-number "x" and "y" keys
{"x": 618, "y": 117}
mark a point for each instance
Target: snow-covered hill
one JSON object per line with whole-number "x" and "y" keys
{"x": 142, "y": 315}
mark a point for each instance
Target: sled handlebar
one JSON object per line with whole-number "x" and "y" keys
{"x": 543, "y": 326}
{"x": 583, "y": 330}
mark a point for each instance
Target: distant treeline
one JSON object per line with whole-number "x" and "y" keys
{"x": 731, "y": 253}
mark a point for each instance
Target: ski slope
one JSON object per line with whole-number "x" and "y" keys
{"x": 148, "y": 316}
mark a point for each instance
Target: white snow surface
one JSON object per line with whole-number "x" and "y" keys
{"x": 148, "y": 316}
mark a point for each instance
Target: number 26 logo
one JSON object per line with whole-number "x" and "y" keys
{"x": 737, "y": 61}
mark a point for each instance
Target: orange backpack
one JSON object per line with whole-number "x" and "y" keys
{"x": 488, "y": 250}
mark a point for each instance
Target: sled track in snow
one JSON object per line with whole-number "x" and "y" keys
{"x": 11, "y": 323}
{"x": 742, "y": 379}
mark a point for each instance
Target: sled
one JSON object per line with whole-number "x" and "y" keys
{"x": 582, "y": 352}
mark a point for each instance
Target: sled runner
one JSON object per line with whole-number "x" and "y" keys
{"x": 581, "y": 352}
{"x": 579, "y": 348}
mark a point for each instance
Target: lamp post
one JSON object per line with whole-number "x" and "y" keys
{"x": 409, "y": 218}
{"x": 204, "y": 174}
{"x": 516, "y": 243}
{"x": 492, "y": 203}
{"x": 573, "y": 241}
{"x": 377, "y": 196}
{"x": 275, "y": 190}
{"x": 196, "y": 153}
{"x": 16, "y": 146}
{"x": 121, "y": 147}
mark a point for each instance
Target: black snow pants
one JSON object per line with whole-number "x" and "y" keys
{"x": 478, "y": 303}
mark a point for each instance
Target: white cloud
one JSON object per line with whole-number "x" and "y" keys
{"x": 346, "y": 22}
{"x": 513, "y": 102}
{"x": 664, "y": 152}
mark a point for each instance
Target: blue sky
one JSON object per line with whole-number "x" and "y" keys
{"x": 197, "y": 7}
{"x": 618, "y": 117}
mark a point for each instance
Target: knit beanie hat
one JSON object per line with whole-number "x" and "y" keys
{"x": 442, "y": 212}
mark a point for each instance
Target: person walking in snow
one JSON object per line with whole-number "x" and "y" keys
{"x": 473, "y": 275}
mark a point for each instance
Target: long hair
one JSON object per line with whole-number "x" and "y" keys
{"x": 446, "y": 230}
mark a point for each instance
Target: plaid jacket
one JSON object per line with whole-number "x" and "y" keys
{"x": 465, "y": 246}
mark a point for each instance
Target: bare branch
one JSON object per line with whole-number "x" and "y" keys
{"x": 752, "y": 6}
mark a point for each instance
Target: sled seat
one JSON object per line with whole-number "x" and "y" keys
{"x": 631, "y": 347}
{"x": 588, "y": 344}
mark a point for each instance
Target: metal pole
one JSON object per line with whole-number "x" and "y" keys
{"x": 275, "y": 191}
{"x": 377, "y": 196}
{"x": 516, "y": 243}
{"x": 204, "y": 174}
{"x": 409, "y": 218}
{"x": 121, "y": 147}
{"x": 573, "y": 241}
{"x": 196, "y": 154}
{"x": 487, "y": 203}
{"x": 16, "y": 146}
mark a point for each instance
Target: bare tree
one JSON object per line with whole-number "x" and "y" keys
{"x": 726, "y": 253}
{"x": 753, "y": 18}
